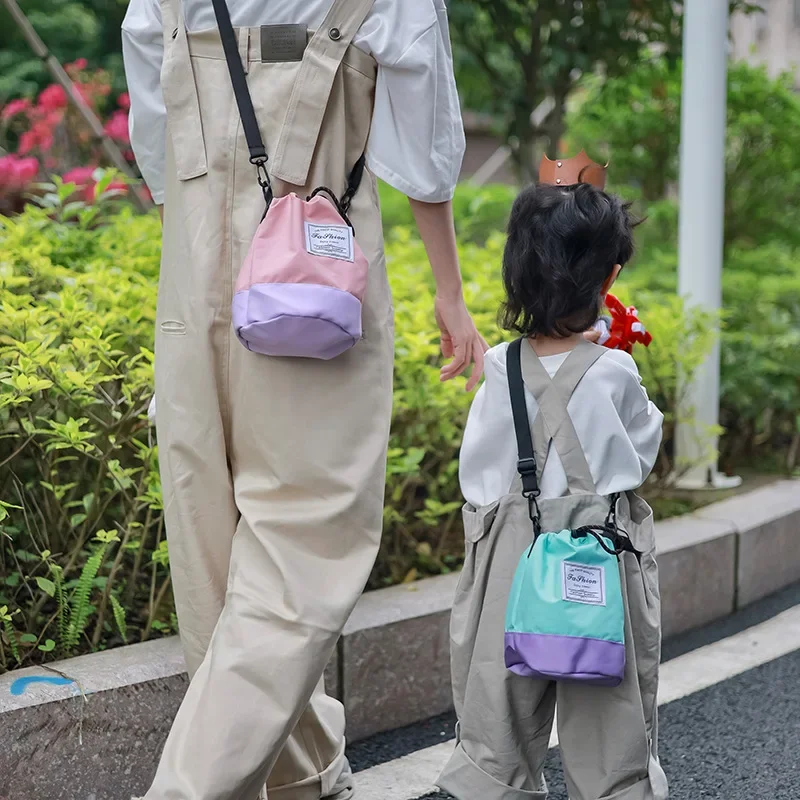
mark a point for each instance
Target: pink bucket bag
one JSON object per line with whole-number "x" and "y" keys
{"x": 301, "y": 287}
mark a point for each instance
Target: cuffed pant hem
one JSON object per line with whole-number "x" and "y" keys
{"x": 465, "y": 780}
{"x": 315, "y": 786}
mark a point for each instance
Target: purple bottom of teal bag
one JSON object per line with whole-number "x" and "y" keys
{"x": 565, "y": 658}
{"x": 294, "y": 319}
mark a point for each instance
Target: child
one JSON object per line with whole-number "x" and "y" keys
{"x": 566, "y": 246}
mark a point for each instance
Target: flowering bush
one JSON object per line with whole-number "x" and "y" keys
{"x": 51, "y": 137}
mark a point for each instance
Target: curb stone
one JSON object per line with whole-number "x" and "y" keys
{"x": 391, "y": 667}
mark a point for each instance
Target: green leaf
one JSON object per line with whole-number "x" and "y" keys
{"x": 28, "y": 638}
{"x": 119, "y": 616}
{"x": 48, "y": 646}
{"x": 104, "y": 181}
{"x": 46, "y": 586}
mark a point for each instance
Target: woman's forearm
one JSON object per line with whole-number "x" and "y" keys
{"x": 435, "y": 225}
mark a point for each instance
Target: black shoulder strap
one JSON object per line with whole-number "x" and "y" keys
{"x": 255, "y": 144}
{"x": 526, "y": 458}
{"x": 258, "y": 153}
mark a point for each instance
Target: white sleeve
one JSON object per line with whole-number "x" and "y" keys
{"x": 644, "y": 420}
{"x": 644, "y": 432}
{"x": 143, "y": 52}
{"x": 488, "y": 458}
{"x": 417, "y": 138}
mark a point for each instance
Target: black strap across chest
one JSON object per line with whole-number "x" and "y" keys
{"x": 252, "y": 133}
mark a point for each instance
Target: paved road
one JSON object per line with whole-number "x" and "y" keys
{"x": 737, "y": 739}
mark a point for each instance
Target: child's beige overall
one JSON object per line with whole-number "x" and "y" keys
{"x": 608, "y": 737}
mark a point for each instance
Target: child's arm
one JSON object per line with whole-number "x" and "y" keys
{"x": 644, "y": 431}
{"x": 638, "y": 414}
{"x": 644, "y": 420}
{"x": 488, "y": 457}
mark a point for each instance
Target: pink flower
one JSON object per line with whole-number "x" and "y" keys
{"x": 80, "y": 176}
{"x": 15, "y": 107}
{"x": 44, "y": 134}
{"x": 16, "y": 173}
{"x": 118, "y": 186}
{"x": 78, "y": 64}
{"x": 124, "y": 101}
{"x": 53, "y": 97}
{"x": 117, "y": 127}
{"x": 83, "y": 180}
{"x": 85, "y": 184}
{"x": 27, "y": 169}
{"x": 27, "y": 142}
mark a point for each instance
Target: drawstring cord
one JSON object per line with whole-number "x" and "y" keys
{"x": 609, "y": 530}
{"x": 340, "y": 206}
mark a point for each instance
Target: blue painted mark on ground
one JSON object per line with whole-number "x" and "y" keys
{"x": 21, "y": 684}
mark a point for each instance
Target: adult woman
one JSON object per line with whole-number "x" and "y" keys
{"x": 273, "y": 468}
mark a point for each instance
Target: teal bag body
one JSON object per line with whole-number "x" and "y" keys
{"x": 565, "y": 616}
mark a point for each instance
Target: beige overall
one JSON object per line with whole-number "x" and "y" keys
{"x": 273, "y": 469}
{"x": 608, "y": 737}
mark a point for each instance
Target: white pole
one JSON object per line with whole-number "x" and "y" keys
{"x": 702, "y": 196}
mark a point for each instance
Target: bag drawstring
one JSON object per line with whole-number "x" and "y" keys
{"x": 339, "y": 205}
{"x": 610, "y": 530}
{"x": 353, "y": 182}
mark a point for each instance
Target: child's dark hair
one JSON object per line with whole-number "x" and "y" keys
{"x": 563, "y": 243}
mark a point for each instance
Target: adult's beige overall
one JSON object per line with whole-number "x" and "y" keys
{"x": 273, "y": 469}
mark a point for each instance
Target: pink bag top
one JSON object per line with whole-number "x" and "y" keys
{"x": 301, "y": 286}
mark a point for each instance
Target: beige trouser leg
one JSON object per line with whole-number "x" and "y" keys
{"x": 273, "y": 469}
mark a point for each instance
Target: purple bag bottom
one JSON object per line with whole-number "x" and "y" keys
{"x": 565, "y": 658}
{"x": 297, "y": 319}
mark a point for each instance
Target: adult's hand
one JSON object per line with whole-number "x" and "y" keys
{"x": 460, "y": 341}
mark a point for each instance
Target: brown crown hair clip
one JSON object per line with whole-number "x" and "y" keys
{"x": 569, "y": 171}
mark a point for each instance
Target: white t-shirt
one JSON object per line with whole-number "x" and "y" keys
{"x": 617, "y": 425}
{"x": 417, "y": 138}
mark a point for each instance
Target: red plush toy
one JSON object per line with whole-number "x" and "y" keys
{"x": 623, "y": 328}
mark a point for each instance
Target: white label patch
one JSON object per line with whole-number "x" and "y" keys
{"x": 583, "y": 584}
{"x": 333, "y": 241}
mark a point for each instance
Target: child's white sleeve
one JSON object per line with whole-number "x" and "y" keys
{"x": 488, "y": 455}
{"x": 644, "y": 420}
{"x": 644, "y": 431}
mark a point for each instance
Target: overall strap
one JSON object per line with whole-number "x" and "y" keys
{"x": 185, "y": 124}
{"x": 312, "y": 88}
{"x": 553, "y": 423}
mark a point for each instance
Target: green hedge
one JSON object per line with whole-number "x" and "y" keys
{"x": 82, "y": 545}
